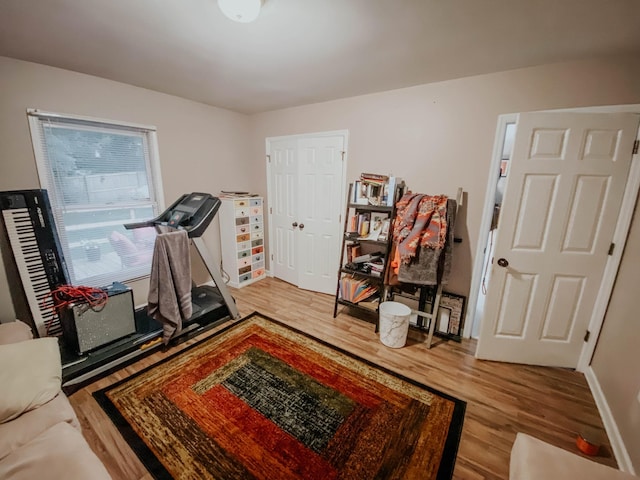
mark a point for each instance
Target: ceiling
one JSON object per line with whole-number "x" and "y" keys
{"x": 306, "y": 51}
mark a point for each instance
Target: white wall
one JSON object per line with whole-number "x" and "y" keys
{"x": 440, "y": 136}
{"x": 202, "y": 148}
{"x": 617, "y": 357}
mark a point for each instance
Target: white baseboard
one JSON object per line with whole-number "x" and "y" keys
{"x": 617, "y": 444}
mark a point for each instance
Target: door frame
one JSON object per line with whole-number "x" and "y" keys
{"x": 343, "y": 192}
{"x": 619, "y": 237}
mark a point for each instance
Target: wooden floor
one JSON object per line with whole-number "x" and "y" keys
{"x": 502, "y": 399}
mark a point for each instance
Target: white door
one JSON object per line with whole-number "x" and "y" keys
{"x": 306, "y": 196}
{"x": 283, "y": 196}
{"x": 565, "y": 186}
{"x": 320, "y": 202}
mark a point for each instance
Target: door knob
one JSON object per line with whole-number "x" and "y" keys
{"x": 301, "y": 226}
{"x": 503, "y": 262}
{"x": 294, "y": 224}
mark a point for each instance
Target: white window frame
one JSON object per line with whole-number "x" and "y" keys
{"x": 36, "y": 117}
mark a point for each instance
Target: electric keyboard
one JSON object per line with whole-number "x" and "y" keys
{"x": 38, "y": 257}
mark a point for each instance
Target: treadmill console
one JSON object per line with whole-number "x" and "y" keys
{"x": 192, "y": 212}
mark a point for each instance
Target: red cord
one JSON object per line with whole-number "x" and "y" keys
{"x": 66, "y": 295}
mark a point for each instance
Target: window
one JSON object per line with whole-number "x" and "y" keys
{"x": 99, "y": 175}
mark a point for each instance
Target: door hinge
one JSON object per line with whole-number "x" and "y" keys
{"x": 270, "y": 209}
{"x": 587, "y": 335}
{"x": 636, "y": 144}
{"x": 611, "y": 247}
{"x": 272, "y": 257}
{"x": 269, "y": 158}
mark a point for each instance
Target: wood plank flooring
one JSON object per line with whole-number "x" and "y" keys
{"x": 502, "y": 399}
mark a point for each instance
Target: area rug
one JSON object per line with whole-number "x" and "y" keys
{"x": 260, "y": 400}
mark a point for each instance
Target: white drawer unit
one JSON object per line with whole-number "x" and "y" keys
{"x": 242, "y": 239}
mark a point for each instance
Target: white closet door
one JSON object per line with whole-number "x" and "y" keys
{"x": 320, "y": 162}
{"x": 306, "y": 191}
{"x": 284, "y": 192}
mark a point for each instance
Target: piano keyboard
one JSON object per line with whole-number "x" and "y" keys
{"x": 30, "y": 226}
{"x": 32, "y": 271}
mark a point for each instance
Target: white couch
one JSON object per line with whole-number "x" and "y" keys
{"x": 40, "y": 435}
{"x": 533, "y": 459}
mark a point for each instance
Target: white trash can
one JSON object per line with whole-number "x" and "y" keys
{"x": 394, "y": 324}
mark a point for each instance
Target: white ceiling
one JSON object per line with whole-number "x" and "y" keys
{"x": 306, "y": 51}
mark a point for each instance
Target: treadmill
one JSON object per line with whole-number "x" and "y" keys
{"x": 212, "y": 306}
{"x": 193, "y": 213}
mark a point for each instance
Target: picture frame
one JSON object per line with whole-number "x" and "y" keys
{"x": 450, "y": 319}
{"x": 504, "y": 168}
{"x": 377, "y": 223}
{"x": 384, "y": 232}
{"x": 359, "y": 193}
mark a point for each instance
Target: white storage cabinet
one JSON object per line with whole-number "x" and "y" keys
{"x": 242, "y": 239}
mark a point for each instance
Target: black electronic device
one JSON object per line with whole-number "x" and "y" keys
{"x": 86, "y": 328}
{"x": 192, "y": 212}
{"x": 38, "y": 257}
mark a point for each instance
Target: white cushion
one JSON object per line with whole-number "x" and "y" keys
{"x": 533, "y": 459}
{"x": 59, "y": 452}
{"x": 13, "y": 332}
{"x": 30, "y": 375}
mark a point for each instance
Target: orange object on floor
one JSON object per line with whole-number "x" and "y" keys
{"x": 587, "y": 444}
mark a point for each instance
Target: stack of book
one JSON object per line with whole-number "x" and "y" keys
{"x": 354, "y": 290}
{"x": 375, "y": 189}
{"x": 375, "y": 267}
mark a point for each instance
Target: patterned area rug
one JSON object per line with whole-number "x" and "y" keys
{"x": 262, "y": 400}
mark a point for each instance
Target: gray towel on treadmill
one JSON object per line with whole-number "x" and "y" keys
{"x": 431, "y": 266}
{"x": 169, "y": 300}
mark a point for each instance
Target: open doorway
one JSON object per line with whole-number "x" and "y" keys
{"x": 508, "y": 134}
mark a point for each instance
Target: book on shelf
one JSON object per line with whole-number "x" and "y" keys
{"x": 353, "y": 251}
{"x": 373, "y": 178}
{"x": 355, "y": 290}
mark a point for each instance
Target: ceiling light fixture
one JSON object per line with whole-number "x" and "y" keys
{"x": 243, "y": 11}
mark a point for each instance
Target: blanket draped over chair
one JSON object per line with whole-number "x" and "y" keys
{"x": 423, "y": 237}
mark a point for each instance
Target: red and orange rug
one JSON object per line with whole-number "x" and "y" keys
{"x": 260, "y": 400}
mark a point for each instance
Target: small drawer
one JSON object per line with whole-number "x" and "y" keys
{"x": 255, "y": 235}
{"x": 255, "y": 202}
{"x": 242, "y": 212}
{"x": 258, "y": 266}
{"x": 257, "y": 258}
{"x": 244, "y": 254}
{"x": 257, "y": 219}
{"x": 243, "y": 246}
{"x": 242, "y": 220}
{"x": 244, "y": 278}
{"x": 255, "y": 211}
{"x": 240, "y": 229}
{"x": 257, "y": 273}
{"x": 241, "y": 203}
{"x": 256, "y": 227}
{"x": 243, "y": 238}
{"x": 244, "y": 262}
{"x": 256, "y": 250}
{"x": 243, "y": 270}
{"x": 255, "y": 243}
